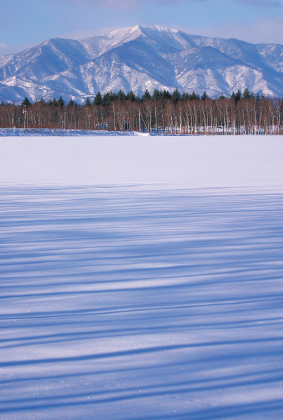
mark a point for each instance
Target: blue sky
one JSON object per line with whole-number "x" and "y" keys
{"x": 29, "y": 22}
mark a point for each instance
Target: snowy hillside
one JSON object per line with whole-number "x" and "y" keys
{"x": 141, "y": 58}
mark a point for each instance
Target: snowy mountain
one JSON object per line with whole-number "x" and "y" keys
{"x": 140, "y": 58}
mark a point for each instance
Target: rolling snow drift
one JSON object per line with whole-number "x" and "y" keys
{"x": 141, "y": 278}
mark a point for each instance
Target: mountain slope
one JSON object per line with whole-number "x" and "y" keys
{"x": 141, "y": 58}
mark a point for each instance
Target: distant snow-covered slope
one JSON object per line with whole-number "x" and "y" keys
{"x": 141, "y": 58}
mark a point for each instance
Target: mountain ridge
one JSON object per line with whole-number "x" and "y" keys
{"x": 140, "y": 58}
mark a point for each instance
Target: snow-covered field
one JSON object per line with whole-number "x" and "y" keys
{"x": 141, "y": 278}
{"x": 50, "y": 132}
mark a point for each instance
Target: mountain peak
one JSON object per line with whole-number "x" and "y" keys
{"x": 139, "y": 58}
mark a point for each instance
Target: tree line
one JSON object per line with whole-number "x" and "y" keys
{"x": 161, "y": 112}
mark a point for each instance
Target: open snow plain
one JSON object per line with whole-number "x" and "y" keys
{"x": 141, "y": 278}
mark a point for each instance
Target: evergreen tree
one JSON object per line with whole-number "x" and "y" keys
{"x": 54, "y": 102}
{"x": 165, "y": 94}
{"x": 26, "y": 102}
{"x": 61, "y": 103}
{"x": 246, "y": 94}
{"x": 113, "y": 96}
{"x": 98, "y": 99}
{"x": 176, "y": 96}
{"x": 71, "y": 102}
{"x": 258, "y": 97}
{"x": 146, "y": 95}
{"x": 138, "y": 98}
{"x": 156, "y": 95}
{"x": 131, "y": 96}
{"x": 237, "y": 96}
{"x": 87, "y": 102}
{"x": 194, "y": 96}
{"x": 185, "y": 97}
{"x": 204, "y": 96}
{"x": 106, "y": 99}
{"x": 121, "y": 96}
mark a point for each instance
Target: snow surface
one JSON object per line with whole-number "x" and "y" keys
{"x": 49, "y": 132}
{"x": 183, "y": 162}
{"x": 141, "y": 278}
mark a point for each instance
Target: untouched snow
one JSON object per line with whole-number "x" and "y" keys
{"x": 184, "y": 162}
{"x": 141, "y": 278}
{"x": 50, "y": 132}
